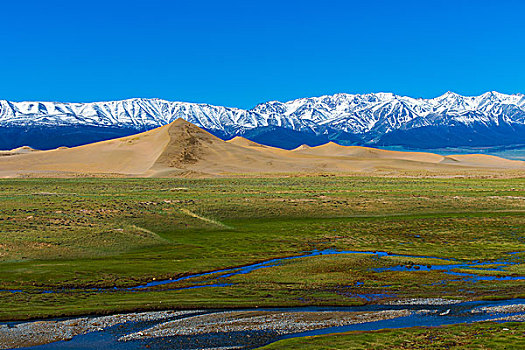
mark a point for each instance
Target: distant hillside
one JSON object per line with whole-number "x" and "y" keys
{"x": 384, "y": 119}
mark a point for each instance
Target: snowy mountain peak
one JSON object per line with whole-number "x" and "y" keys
{"x": 369, "y": 117}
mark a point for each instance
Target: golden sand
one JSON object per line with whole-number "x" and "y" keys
{"x": 183, "y": 149}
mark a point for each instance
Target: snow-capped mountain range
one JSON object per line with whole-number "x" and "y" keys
{"x": 490, "y": 119}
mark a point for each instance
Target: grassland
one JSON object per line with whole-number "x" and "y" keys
{"x": 473, "y": 336}
{"x": 84, "y": 233}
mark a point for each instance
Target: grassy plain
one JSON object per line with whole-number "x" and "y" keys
{"x": 83, "y": 233}
{"x": 464, "y": 336}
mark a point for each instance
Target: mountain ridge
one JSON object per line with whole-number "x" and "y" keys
{"x": 449, "y": 120}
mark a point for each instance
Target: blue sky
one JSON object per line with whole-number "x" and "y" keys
{"x": 240, "y": 53}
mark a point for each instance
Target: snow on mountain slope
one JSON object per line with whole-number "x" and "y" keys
{"x": 369, "y": 116}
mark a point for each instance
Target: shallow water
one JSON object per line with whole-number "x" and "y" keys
{"x": 218, "y": 278}
{"x": 442, "y": 315}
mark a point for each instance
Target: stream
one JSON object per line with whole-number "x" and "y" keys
{"x": 204, "y": 329}
{"x": 217, "y": 278}
{"x": 251, "y": 328}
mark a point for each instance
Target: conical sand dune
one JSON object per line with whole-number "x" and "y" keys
{"x": 191, "y": 148}
{"x": 182, "y": 149}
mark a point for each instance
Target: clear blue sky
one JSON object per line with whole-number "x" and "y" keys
{"x": 240, "y": 53}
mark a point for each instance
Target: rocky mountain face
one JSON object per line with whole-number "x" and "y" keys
{"x": 380, "y": 119}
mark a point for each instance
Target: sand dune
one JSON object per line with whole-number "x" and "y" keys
{"x": 302, "y": 147}
{"x": 17, "y": 151}
{"x": 241, "y": 141}
{"x": 332, "y": 149}
{"x": 182, "y": 149}
{"x": 129, "y": 155}
{"x": 481, "y": 160}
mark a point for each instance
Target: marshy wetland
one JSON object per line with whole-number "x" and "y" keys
{"x": 85, "y": 248}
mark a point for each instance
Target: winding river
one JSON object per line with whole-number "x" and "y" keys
{"x": 178, "y": 332}
{"x": 251, "y": 328}
{"x": 218, "y": 278}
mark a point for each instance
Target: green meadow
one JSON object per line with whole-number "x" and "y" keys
{"x": 485, "y": 335}
{"x": 65, "y": 234}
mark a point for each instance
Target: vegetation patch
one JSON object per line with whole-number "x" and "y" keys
{"x": 74, "y": 235}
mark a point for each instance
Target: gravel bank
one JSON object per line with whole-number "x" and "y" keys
{"x": 513, "y": 318}
{"x": 279, "y": 322}
{"x": 506, "y": 309}
{"x": 44, "y": 332}
{"x": 423, "y": 301}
